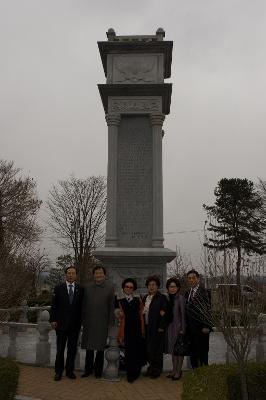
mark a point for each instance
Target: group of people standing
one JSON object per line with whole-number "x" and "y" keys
{"x": 149, "y": 326}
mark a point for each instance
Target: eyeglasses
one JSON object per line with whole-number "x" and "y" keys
{"x": 129, "y": 287}
{"x": 172, "y": 287}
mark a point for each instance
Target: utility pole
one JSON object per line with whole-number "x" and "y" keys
{"x": 205, "y": 255}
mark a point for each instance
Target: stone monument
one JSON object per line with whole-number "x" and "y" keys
{"x": 135, "y": 100}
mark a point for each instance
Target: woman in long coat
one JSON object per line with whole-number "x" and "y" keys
{"x": 131, "y": 330}
{"x": 177, "y": 325}
{"x": 155, "y": 308}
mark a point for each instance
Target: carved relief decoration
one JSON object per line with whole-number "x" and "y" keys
{"x": 135, "y": 70}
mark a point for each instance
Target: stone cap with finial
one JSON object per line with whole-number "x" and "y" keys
{"x": 137, "y": 44}
{"x": 158, "y": 37}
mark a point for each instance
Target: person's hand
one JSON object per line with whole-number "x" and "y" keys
{"x": 54, "y": 324}
{"x": 205, "y": 331}
{"x": 121, "y": 341}
{"x": 160, "y": 330}
{"x": 181, "y": 333}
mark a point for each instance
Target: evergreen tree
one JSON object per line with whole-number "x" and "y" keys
{"x": 239, "y": 223}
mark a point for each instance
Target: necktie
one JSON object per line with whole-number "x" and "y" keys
{"x": 70, "y": 294}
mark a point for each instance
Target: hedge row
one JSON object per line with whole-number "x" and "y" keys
{"x": 9, "y": 373}
{"x": 222, "y": 382}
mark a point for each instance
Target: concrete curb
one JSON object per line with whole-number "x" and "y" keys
{"x": 18, "y": 397}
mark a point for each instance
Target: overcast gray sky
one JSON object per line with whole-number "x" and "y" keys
{"x": 51, "y": 117}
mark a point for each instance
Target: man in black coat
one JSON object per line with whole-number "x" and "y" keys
{"x": 198, "y": 310}
{"x": 65, "y": 318}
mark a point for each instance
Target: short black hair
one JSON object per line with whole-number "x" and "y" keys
{"x": 153, "y": 278}
{"x": 129, "y": 280}
{"x": 70, "y": 266}
{"x": 193, "y": 271}
{"x": 98, "y": 267}
{"x": 171, "y": 280}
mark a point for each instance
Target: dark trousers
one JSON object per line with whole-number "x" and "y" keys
{"x": 97, "y": 364}
{"x": 134, "y": 357}
{"x": 199, "y": 349}
{"x": 71, "y": 339}
{"x": 155, "y": 345}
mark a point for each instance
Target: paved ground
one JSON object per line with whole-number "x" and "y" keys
{"x": 38, "y": 383}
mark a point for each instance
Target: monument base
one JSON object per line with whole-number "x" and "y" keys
{"x": 137, "y": 263}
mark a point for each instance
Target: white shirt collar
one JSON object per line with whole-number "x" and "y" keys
{"x": 68, "y": 283}
{"x": 195, "y": 288}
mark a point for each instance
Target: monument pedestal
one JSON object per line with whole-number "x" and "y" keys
{"x": 136, "y": 100}
{"x": 137, "y": 263}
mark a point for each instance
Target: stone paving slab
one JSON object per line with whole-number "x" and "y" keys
{"x": 38, "y": 384}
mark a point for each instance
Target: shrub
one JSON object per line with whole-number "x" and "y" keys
{"x": 9, "y": 373}
{"x": 206, "y": 383}
{"x": 255, "y": 380}
{"x": 222, "y": 382}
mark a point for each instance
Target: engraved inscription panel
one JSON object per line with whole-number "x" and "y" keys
{"x": 134, "y": 197}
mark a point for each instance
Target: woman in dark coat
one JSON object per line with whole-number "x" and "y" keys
{"x": 131, "y": 330}
{"x": 155, "y": 307}
{"x": 177, "y": 325}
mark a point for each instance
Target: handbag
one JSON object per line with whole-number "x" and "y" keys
{"x": 182, "y": 346}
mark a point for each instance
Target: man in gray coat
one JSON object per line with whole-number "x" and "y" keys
{"x": 97, "y": 317}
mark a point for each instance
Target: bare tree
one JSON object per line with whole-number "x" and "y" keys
{"x": 19, "y": 206}
{"x": 57, "y": 273}
{"x": 237, "y": 318}
{"x": 180, "y": 264}
{"x": 38, "y": 262}
{"x": 77, "y": 209}
{"x": 19, "y": 233}
{"x": 16, "y": 281}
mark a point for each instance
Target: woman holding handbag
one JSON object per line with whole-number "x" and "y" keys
{"x": 131, "y": 329}
{"x": 177, "y": 327}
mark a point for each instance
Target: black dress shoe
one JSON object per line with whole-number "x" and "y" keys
{"x": 98, "y": 375}
{"x": 71, "y": 375}
{"x": 155, "y": 376}
{"x": 176, "y": 378}
{"x": 147, "y": 373}
{"x": 86, "y": 374}
{"x": 170, "y": 376}
{"x": 57, "y": 377}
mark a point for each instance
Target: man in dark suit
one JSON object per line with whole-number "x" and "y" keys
{"x": 199, "y": 325}
{"x": 65, "y": 318}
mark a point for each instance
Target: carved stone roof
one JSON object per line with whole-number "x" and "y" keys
{"x": 139, "y": 44}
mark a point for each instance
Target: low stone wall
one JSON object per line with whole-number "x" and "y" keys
{"x": 36, "y": 344}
